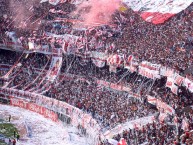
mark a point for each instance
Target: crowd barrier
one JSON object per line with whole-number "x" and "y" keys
{"x": 134, "y": 124}
{"x": 53, "y": 109}
{"x": 118, "y": 88}
{"x": 25, "y": 104}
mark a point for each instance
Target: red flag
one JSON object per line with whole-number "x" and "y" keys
{"x": 122, "y": 142}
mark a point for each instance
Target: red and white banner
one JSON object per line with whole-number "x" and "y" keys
{"x": 145, "y": 72}
{"x": 188, "y": 84}
{"x": 131, "y": 63}
{"x": 170, "y": 82}
{"x": 149, "y": 70}
{"x": 69, "y": 43}
{"x": 152, "y": 74}
{"x": 157, "y": 11}
{"x": 151, "y": 100}
{"x": 34, "y": 107}
{"x": 18, "y": 102}
{"x": 178, "y": 79}
{"x": 165, "y": 107}
{"x": 55, "y": 67}
{"x": 185, "y": 124}
{"x": 151, "y": 66}
{"x": 122, "y": 142}
{"x": 115, "y": 59}
{"x": 114, "y": 86}
{"x": 42, "y": 103}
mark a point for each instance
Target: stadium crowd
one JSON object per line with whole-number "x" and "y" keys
{"x": 171, "y": 42}
{"x": 155, "y": 133}
{"x": 77, "y": 86}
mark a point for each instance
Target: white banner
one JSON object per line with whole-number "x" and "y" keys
{"x": 189, "y": 84}
{"x": 149, "y": 70}
{"x": 115, "y": 59}
{"x": 174, "y": 89}
{"x": 152, "y": 74}
{"x": 52, "y": 2}
{"x": 66, "y": 37}
{"x": 170, "y": 82}
{"x": 178, "y": 79}
{"x": 150, "y": 66}
{"x": 63, "y": 38}
{"x": 168, "y": 72}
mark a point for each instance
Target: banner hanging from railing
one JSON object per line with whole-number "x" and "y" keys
{"x": 134, "y": 124}
{"x": 33, "y": 107}
{"x": 149, "y": 70}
